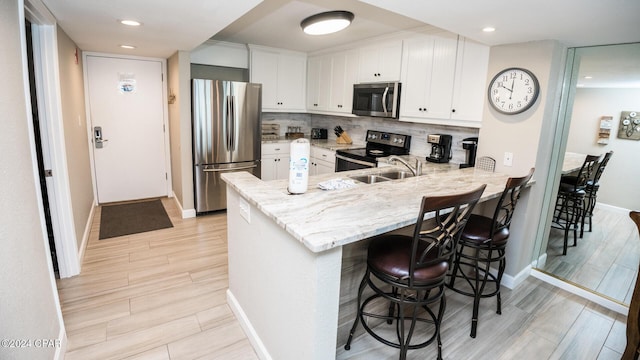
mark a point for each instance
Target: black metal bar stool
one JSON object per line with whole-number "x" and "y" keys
{"x": 570, "y": 202}
{"x": 483, "y": 242}
{"x": 592, "y": 187}
{"x": 410, "y": 272}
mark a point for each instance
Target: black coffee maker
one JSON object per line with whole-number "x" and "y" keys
{"x": 471, "y": 145}
{"x": 440, "y": 148}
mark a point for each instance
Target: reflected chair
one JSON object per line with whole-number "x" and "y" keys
{"x": 632, "y": 350}
{"x": 407, "y": 275}
{"x": 486, "y": 163}
{"x": 484, "y": 242}
{"x": 592, "y": 187}
{"x": 570, "y": 202}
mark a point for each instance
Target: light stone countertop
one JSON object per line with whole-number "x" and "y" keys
{"x": 324, "y": 219}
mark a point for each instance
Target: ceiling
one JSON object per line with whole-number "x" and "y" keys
{"x": 170, "y": 25}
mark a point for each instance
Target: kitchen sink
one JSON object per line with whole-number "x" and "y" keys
{"x": 396, "y": 175}
{"x": 369, "y": 179}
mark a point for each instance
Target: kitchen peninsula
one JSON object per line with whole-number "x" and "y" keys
{"x": 294, "y": 259}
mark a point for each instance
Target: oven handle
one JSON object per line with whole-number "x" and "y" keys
{"x": 365, "y": 163}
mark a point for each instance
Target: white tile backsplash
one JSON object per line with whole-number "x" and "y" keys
{"x": 357, "y": 128}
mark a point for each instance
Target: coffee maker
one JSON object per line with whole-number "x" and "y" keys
{"x": 471, "y": 145}
{"x": 440, "y": 148}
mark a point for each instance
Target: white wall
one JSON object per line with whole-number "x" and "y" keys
{"x": 28, "y": 304}
{"x": 619, "y": 183}
{"x": 178, "y": 68}
{"x": 529, "y": 136}
{"x": 75, "y": 134}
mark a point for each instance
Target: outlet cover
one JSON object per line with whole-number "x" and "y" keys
{"x": 508, "y": 159}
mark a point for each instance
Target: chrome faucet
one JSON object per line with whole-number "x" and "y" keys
{"x": 417, "y": 171}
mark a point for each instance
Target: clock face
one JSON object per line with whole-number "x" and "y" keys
{"x": 513, "y": 91}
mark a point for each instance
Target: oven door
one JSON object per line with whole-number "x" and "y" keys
{"x": 344, "y": 163}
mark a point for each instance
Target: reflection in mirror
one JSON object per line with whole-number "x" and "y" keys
{"x": 605, "y": 90}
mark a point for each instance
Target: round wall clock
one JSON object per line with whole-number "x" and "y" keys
{"x": 513, "y": 90}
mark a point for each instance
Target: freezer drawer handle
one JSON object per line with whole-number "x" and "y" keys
{"x": 234, "y": 169}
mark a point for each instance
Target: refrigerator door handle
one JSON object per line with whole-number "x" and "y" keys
{"x": 231, "y": 169}
{"x": 234, "y": 123}
{"x": 228, "y": 122}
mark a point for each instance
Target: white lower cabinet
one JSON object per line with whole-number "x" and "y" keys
{"x": 275, "y": 161}
{"x": 323, "y": 161}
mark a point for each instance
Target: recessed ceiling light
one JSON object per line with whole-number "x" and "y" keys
{"x": 130, "y": 22}
{"x": 327, "y": 22}
{"x": 579, "y": 85}
{"x": 588, "y": 77}
{"x": 127, "y": 46}
{"x": 489, "y": 29}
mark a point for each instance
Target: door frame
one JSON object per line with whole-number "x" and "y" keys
{"x": 45, "y": 54}
{"x": 165, "y": 116}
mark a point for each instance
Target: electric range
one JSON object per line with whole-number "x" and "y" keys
{"x": 379, "y": 144}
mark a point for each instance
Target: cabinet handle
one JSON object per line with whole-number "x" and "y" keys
{"x": 453, "y": 110}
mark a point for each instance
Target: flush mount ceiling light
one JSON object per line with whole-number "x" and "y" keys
{"x": 127, "y": 46}
{"x": 326, "y": 22}
{"x": 130, "y": 22}
{"x": 489, "y": 29}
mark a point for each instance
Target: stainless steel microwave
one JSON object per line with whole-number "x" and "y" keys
{"x": 377, "y": 99}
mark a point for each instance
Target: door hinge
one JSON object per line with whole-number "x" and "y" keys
{"x": 48, "y": 173}
{"x": 166, "y": 176}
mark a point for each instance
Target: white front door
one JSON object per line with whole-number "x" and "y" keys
{"x": 127, "y": 118}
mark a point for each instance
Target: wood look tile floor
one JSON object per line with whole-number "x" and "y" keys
{"x": 604, "y": 260}
{"x": 161, "y": 295}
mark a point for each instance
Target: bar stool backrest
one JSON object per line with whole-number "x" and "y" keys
{"x": 601, "y": 166}
{"x": 438, "y": 243}
{"x": 586, "y": 171}
{"x": 507, "y": 203}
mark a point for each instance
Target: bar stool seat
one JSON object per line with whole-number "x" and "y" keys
{"x": 407, "y": 275}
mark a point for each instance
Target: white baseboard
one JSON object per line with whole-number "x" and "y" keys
{"x": 511, "y": 282}
{"x": 612, "y": 208}
{"x": 186, "y": 214}
{"x": 586, "y": 294}
{"x": 85, "y": 235}
{"x": 248, "y": 329}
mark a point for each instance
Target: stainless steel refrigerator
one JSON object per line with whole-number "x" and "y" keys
{"x": 226, "y": 118}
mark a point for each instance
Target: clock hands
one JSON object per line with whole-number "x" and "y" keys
{"x": 513, "y": 81}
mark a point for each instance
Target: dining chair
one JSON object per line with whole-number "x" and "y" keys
{"x": 409, "y": 273}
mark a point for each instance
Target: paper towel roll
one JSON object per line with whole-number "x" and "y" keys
{"x": 299, "y": 166}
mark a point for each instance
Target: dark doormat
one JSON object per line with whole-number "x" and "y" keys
{"x": 133, "y": 218}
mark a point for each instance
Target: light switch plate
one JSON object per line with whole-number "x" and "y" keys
{"x": 508, "y": 159}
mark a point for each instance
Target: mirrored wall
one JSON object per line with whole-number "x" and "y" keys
{"x": 603, "y": 92}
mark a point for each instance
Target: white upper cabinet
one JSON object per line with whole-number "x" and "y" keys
{"x": 380, "y": 62}
{"x": 283, "y": 77}
{"x": 443, "y": 79}
{"x": 470, "y": 87}
{"x": 330, "y": 80}
{"x": 318, "y": 82}
{"x": 343, "y": 76}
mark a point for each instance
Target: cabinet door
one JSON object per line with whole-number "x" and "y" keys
{"x": 469, "y": 91}
{"x": 442, "y": 76}
{"x": 318, "y": 77}
{"x": 292, "y": 75}
{"x": 282, "y": 167}
{"x": 264, "y": 70}
{"x": 268, "y": 170}
{"x": 380, "y": 62}
{"x": 418, "y": 53}
{"x": 323, "y": 167}
{"x": 343, "y": 76}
